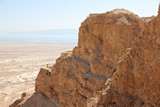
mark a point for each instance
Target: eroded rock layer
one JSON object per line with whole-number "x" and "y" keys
{"x": 116, "y": 64}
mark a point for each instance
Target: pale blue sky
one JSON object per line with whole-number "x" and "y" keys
{"x": 30, "y": 15}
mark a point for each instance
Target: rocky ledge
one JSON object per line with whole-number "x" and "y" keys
{"x": 116, "y": 64}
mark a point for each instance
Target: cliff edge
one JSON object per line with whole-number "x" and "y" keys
{"x": 116, "y": 64}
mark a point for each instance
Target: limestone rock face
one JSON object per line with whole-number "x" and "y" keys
{"x": 138, "y": 72}
{"x": 116, "y": 64}
{"x": 39, "y": 100}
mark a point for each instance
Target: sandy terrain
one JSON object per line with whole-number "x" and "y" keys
{"x": 19, "y": 65}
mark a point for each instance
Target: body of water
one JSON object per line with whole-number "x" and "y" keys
{"x": 53, "y": 38}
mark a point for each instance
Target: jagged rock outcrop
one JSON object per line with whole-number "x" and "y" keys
{"x": 116, "y": 64}
{"x": 138, "y": 71}
{"x": 20, "y": 101}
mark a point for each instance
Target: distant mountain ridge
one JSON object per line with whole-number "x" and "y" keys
{"x": 54, "y": 36}
{"x": 51, "y": 31}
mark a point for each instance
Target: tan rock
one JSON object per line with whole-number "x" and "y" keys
{"x": 116, "y": 64}
{"x": 78, "y": 76}
{"x": 138, "y": 74}
{"x": 19, "y": 102}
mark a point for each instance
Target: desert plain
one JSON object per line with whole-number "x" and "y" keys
{"x": 20, "y": 64}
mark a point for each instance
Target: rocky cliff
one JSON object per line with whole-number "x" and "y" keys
{"x": 116, "y": 64}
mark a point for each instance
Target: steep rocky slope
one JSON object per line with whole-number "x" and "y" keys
{"x": 116, "y": 64}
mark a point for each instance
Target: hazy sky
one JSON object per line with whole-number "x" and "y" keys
{"x": 30, "y": 15}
